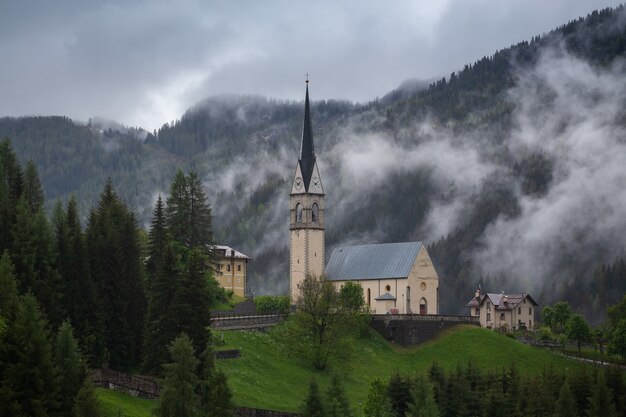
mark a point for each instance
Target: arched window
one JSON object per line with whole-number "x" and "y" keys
{"x": 408, "y": 300}
{"x": 298, "y": 213}
{"x": 369, "y": 297}
{"x": 314, "y": 213}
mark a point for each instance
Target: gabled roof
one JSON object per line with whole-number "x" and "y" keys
{"x": 503, "y": 301}
{"x": 381, "y": 261}
{"x": 307, "y": 150}
{"x": 224, "y": 251}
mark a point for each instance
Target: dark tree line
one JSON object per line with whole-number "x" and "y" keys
{"x": 125, "y": 303}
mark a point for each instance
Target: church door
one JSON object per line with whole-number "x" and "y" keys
{"x": 423, "y": 307}
{"x": 408, "y": 300}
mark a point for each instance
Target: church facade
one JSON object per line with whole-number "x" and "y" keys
{"x": 397, "y": 278}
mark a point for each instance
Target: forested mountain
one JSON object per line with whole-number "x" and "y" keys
{"x": 511, "y": 169}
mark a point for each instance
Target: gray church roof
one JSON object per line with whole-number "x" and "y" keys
{"x": 381, "y": 261}
{"x": 385, "y": 296}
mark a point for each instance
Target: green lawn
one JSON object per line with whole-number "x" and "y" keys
{"x": 263, "y": 378}
{"x": 116, "y": 404}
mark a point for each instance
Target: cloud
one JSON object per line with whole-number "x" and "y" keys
{"x": 144, "y": 62}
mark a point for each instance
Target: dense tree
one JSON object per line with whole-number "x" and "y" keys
{"x": 565, "y": 407}
{"x": 32, "y": 191}
{"x": 399, "y": 390}
{"x": 601, "y": 403}
{"x": 377, "y": 403}
{"x": 30, "y": 383}
{"x": 71, "y": 367}
{"x": 115, "y": 265}
{"x": 158, "y": 239}
{"x": 11, "y": 188}
{"x": 87, "y": 403}
{"x": 8, "y": 288}
{"x": 319, "y": 331}
{"x": 423, "y": 400}
{"x": 313, "y": 405}
{"x": 33, "y": 255}
{"x": 178, "y": 398}
{"x": 617, "y": 344}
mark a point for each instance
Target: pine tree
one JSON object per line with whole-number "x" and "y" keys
{"x": 178, "y": 398}
{"x": 9, "y": 300}
{"x": 71, "y": 367}
{"x": 215, "y": 396}
{"x": 337, "y": 404}
{"x": 177, "y": 212}
{"x": 34, "y": 258}
{"x": 423, "y": 404}
{"x": 399, "y": 392}
{"x": 199, "y": 214}
{"x": 87, "y": 404}
{"x": 601, "y": 403}
{"x": 158, "y": 239}
{"x": 11, "y": 187}
{"x": 32, "y": 192}
{"x": 312, "y": 405}
{"x": 565, "y": 407}
{"x": 161, "y": 326}
{"x": 190, "y": 306}
{"x": 30, "y": 374}
{"x": 115, "y": 266}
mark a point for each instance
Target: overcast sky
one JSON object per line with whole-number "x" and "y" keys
{"x": 143, "y": 63}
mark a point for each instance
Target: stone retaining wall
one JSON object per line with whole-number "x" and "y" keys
{"x": 413, "y": 329}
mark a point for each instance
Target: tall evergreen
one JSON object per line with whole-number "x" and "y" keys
{"x": 158, "y": 239}
{"x": 11, "y": 186}
{"x": 178, "y": 209}
{"x": 30, "y": 377}
{"x": 87, "y": 404}
{"x": 32, "y": 192}
{"x": 9, "y": 300}
{"x": 312, "y": 405}
{"x": 399, "y": 391}
{"x": 190, "y": 307}
{"x": 34, "y": 258}
{"x": 115, "y": 266}
{"x": 377, "y": 402}
{"x": 337, "y": 404}
{"x": 178, "y": 398}
{"x": 161, "y": 326}
{"x": 71, "y": 368}
{"x": 215, "y": 398}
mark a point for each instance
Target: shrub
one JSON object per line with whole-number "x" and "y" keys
{"x": 272, "y": 303}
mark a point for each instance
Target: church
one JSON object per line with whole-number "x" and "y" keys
{"x": 397, "y": 278}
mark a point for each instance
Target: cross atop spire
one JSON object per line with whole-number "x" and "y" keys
{"x": 307, "y": 150}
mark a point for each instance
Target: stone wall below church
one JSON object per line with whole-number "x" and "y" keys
{"x": 411, "y": 329}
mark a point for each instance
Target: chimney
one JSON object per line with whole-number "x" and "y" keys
{"x": 477, "y": 294}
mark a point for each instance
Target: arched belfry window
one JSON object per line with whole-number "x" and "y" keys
{"x": 314, "y": 210}
{"x": 298, "y": 213}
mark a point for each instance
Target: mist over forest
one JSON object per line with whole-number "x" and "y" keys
{"x": 511, "y": 170}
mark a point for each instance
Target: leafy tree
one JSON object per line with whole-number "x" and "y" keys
{"x": 71, "y": 367}
{"x": 30, "y": 383}
{"x": 337, "y": 404}
{"x": 423, "y": 403}
{"x": 214, "y": 394}
{"x": 616, "y": 313}
{"x": 601, "y": 403}
{"x": 313, "y": 406}
{"x": 87, "y": 403}
{"x": 377, "y": 403}
{"x": 617, "y": 344}
{"x": 178, "y": 398}
{"x": 577, "y": 329}
{"x": 319, "y": 331}
{"x": 561, "y": 314}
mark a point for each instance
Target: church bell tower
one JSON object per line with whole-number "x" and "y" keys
{"x": 306, "y": 205}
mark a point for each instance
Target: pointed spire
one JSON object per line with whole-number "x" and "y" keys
{"x": 307, "y": 150}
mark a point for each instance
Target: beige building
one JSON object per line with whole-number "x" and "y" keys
{"x": 396, "y": 278}
{"x": 230, "y": 268}
{"x": 306, "y": 206}
{"x": 510, "y": 311}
